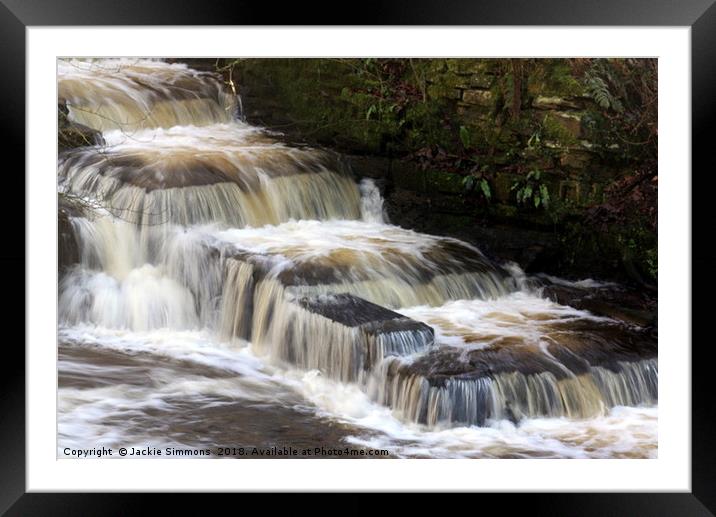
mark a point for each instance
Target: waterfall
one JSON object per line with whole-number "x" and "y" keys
{"x": 131, "y": 94}
{"x": 240, "y": 108}
{"x": 513, "y": 395}
{"x": 139, "y": 277}
{"x": 371, "y": 207}
{"x": 224, "y": 173}
{"x": 192, "y": 219}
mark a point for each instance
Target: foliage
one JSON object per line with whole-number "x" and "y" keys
{"x": 477, "y": 182}
{"x": 599, "y": 91}
{"x": 625, "y": 124}
{"x": 531, "y": 191}
{"x": 555, "y": 77}
{"x": 415, "y": 110}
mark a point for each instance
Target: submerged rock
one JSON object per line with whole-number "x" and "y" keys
{"x": 133, "y": 94}
{"x": 572, "y": 349}
{"x": 232, "y": 174}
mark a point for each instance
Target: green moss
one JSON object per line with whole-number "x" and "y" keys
{"x": 555, "y": 130}
{"x": 424, "y": 126}
{"x": 505, "y": 211}
{"x": 445, "y": 182}
{"x": 560, "y": 79}
{"x": 439, "y": 91}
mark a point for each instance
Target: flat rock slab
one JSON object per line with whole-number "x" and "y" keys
{"x": 350, "y": 252}
{"x": 347, "y": 309}
{"x": 613, "y": 301}
{"x": 201, "y": 162}
{"x": 391, "y": 333}
{"x": 573, "y": 349}
{"x": 352, "y": 311}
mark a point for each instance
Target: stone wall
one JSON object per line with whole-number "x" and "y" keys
{"x": 325, "y": 102}
{"x": 423, "y": 126}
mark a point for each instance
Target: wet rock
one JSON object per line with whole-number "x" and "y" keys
{"x": 384, "y": 332}
{"x": 369, "y": 166}
{"x": 71, "y": 135}
{"x": 137, "y": 171}
{"x": 446, "y": 363}
{"x": 574, "y": 347}
{"x": 579, "y": 368}
{"x": 445, "y": 257}
{"x": 353, "y": 311}
{"x": 347, "y": 310}
{"x": 187, "y": 167}
{"x": 468, "y": 398}
{"x": 632, "y": 306}
{"x": 68, "y": 252}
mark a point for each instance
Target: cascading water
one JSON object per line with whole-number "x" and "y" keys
{"x": 263, "y": 274}
{"x": 131, "y": 94}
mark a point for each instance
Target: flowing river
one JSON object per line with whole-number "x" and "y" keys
{"x": 221, "y": 288}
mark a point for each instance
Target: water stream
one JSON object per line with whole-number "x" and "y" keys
{"x": 231, "y": 290}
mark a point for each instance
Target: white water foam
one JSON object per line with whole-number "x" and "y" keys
{"x": 477, "y": 324}
{"x": 103, "y": 415}
{"x": 371, "y": 203}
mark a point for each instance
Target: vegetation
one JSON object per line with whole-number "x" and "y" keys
{"x": 531, "y": 191}
{"x": 567, "y": 143}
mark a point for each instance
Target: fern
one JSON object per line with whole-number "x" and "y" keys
{"x": 599, "y": 91}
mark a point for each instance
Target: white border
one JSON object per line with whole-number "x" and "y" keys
{"x": 671, "y": 471}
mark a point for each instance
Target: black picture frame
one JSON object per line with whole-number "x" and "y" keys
{"x": 700, "y": 15}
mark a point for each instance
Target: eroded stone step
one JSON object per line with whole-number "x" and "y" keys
{"x": 587, "y": 368}
{"x": 133, "y": 94}
{"x": 386, "y": 265}
{"x": 341, "y": 335}
{"x": 386, "y": 333}
{"x": 229, "y": 173}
